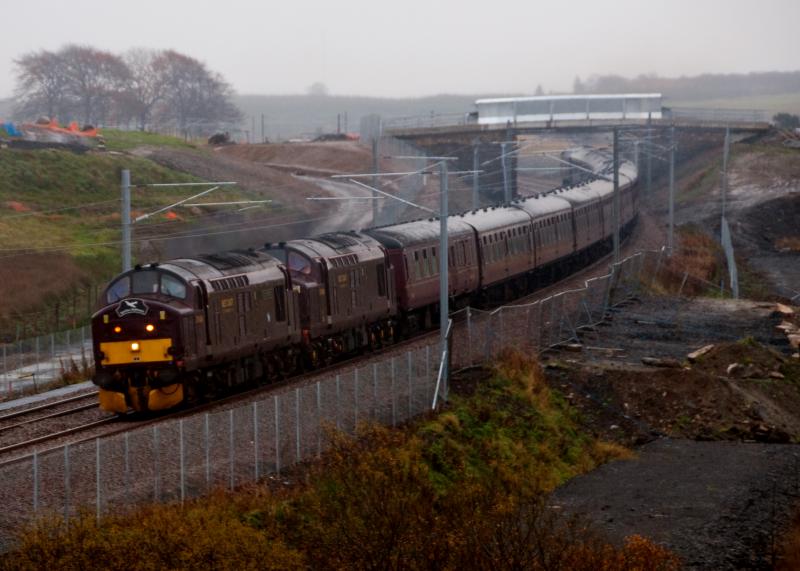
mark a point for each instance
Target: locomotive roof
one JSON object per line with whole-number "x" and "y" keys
{"x": 221, "y": 264}
{"x": 417, "y": 232}
{"x": 336, "y": 244}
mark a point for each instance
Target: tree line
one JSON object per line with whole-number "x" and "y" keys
{"x": 151, "y": 89}
{"x": 706, "y": 86}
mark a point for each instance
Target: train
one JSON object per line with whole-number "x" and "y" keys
{"x": 190, "y": 329}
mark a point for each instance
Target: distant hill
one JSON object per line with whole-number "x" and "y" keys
{"x": 775, "y": 91}
{"x": 289, "y": 116}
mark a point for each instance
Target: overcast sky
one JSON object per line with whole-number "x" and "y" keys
{"x": 420, "y": 47}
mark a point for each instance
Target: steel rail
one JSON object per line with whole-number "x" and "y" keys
{"x": 46, "y": 406}
{"x": 69, "y": 411}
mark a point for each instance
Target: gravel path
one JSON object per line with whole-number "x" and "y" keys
{"x": 718, "y": 505}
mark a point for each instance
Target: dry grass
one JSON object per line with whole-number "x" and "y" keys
{"x": 694, "y": 267}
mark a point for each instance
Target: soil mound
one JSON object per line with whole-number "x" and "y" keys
{"x": 332, "y": 157}
{"x": 736, "y": 391}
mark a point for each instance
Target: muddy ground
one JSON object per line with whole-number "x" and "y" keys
{"x": 716, "y": 472}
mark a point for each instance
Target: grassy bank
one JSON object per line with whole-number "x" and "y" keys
{"x": 462, "y": 490}
{"x": 60, "y": 220}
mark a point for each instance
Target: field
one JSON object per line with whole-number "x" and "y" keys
{"x": 785, "y": 102}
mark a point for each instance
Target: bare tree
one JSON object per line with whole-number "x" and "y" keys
{"x": 147, "y": 87}
{"x": 94, "y": 78}
{"x": 196, "y": 99}
{"x": 81, "y": 82}
{"x": 41, "y": 85}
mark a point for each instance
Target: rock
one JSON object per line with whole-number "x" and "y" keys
{"x": 786, "y": 327}
{"x": 795, "y": 355}
{"x": 695, "y": 355}
{"x": 783, "y": 309}
{"x": 734, "y": 369}
{"x": 665, "y": 362}
{"x": 753, "y": 372}
{"x": 776, "y": 375}
{"x": 574, "y": 347}
{"x": 794, "y": 341}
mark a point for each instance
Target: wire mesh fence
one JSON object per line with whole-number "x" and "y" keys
{"x": 31, "y": 364}
{"x": 180, "y": 459}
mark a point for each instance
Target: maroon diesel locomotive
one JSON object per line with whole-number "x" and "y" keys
{"x": 188, "y": 329}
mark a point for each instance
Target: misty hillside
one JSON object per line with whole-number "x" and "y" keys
{"x": 701, "y": 87}
{"x": 292, "y": 115}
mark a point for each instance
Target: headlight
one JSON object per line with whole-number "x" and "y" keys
{"x": 134, "y": 346}
{"x": 117, "y": 329}
{"x": 150, "y": 327}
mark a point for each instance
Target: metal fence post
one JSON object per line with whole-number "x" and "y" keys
{"x": 394, "y": 397}
{"x": 53, "y": 349}
{"x": 375, "y": 391}
{"x": 182, "y": 462}
{"x": 231, "y": 447}
{"x": 428, "y": 368}
{"x": 98, "y": 496}
{"x": 277, "y": 439}
{"x": 355, "y": 390}
{"x": 409, "y": 373}
{"x": 297, "y": 423}
{"x": 319, "y": 420}
{"x": 126, "y": 460}
{"x": 502, "y": 328}
{"x": 207, "y": 453}
{"x": 488, "y": 354}
{"x": 156, "y": 464}
{"x": 469, "y": 335}
{"x": 37, "y": 363}
{"x": 35, "y": 481}
{"x": 255, "y": 437}
{"x": 67, "y": 490}
{"x": 338, "y": 402}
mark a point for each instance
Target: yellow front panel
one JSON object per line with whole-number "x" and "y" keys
{"x": 112, "y": 401}
{"x": 165, "y": 397}
{"x": 150, "y": 351}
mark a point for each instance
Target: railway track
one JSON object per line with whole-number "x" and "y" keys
{"x": 45, "y": 407}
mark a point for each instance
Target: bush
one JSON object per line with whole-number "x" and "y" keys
{"x": 464, "y": 490}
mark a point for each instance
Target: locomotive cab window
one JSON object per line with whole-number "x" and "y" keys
{"x": 119, "y": 289}
{"x": 303, "y": 268}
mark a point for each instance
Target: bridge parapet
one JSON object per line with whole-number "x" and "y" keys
{"x": 682, "y": 117}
